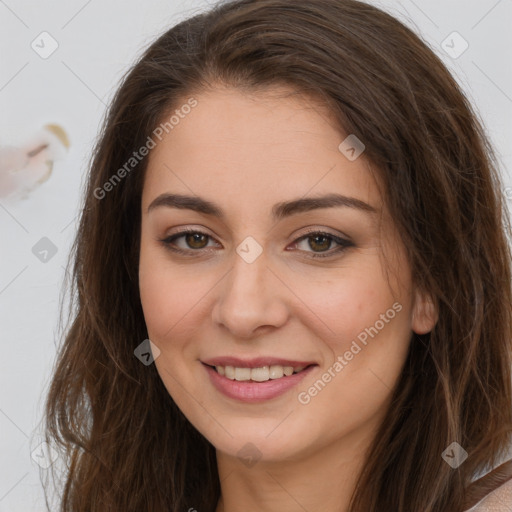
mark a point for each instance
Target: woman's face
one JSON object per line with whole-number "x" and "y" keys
{"x": 291, "y": 264}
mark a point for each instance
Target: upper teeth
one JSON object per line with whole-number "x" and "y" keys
{"x": 258, "y": 374}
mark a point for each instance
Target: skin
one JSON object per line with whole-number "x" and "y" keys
{"x": 246, "y": 152}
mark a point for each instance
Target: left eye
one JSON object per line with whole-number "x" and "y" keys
{"x": 319, "y": 242}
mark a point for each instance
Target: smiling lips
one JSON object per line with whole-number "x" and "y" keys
{"x": 256, "y": 379}
{"x": 258, "y": 369}
{"x": 261, "y": 374}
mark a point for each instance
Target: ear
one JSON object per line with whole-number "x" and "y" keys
{"x": 424, "y": 313}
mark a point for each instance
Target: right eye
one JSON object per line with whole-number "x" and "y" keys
{"x": 194, "y": 240}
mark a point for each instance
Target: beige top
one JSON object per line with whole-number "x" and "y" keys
{"x": 499, "y": 500}
{"x": 492, "y": 492}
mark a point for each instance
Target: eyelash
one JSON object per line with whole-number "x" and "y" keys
{"x": 342, "y": 243}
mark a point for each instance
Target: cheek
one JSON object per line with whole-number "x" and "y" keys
{"x": 164, "y": 297}
{"x": 365, "y": 333}
{"x": 167, "y": 305}
{"x": 170, "y": 301}
{"x": 341, "y": 308}
{"x": 173, "y": 297}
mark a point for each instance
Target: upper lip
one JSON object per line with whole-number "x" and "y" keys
{"x": 257, "y": 362}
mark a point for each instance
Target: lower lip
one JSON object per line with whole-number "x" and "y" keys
{"x": 251, "y": 391}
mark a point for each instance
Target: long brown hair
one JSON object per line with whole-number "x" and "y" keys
{"x": 127, "y": 445}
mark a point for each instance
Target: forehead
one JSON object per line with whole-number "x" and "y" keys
{"x": 245, "y": 148}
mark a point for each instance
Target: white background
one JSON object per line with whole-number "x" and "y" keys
{"x": 98, "y": 40}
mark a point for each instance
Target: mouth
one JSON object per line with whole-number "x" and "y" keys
{"x": 256, "y": 384}
{"x": 258, "y": 374}
{"x": 256, "y": 380}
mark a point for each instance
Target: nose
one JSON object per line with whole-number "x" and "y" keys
{"x": 252, "y": 299}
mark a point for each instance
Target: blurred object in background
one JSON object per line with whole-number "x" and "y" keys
{"x": 22, "y": 169}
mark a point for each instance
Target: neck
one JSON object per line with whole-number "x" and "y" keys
{"x": 321, "y": 479}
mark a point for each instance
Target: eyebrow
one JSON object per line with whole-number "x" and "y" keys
{"x": 279, "y": 210}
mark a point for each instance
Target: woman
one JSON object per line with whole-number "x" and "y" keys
{"x": 296, "y": 204}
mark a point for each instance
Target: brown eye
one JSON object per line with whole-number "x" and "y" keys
{"x": 317, "y": 243}
{"x": 196, "y": 240}
{"x": 187, "y": 241}
{"x": 320, "y": 242}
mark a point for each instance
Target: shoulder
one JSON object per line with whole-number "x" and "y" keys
{"x": 500, "y": 500}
